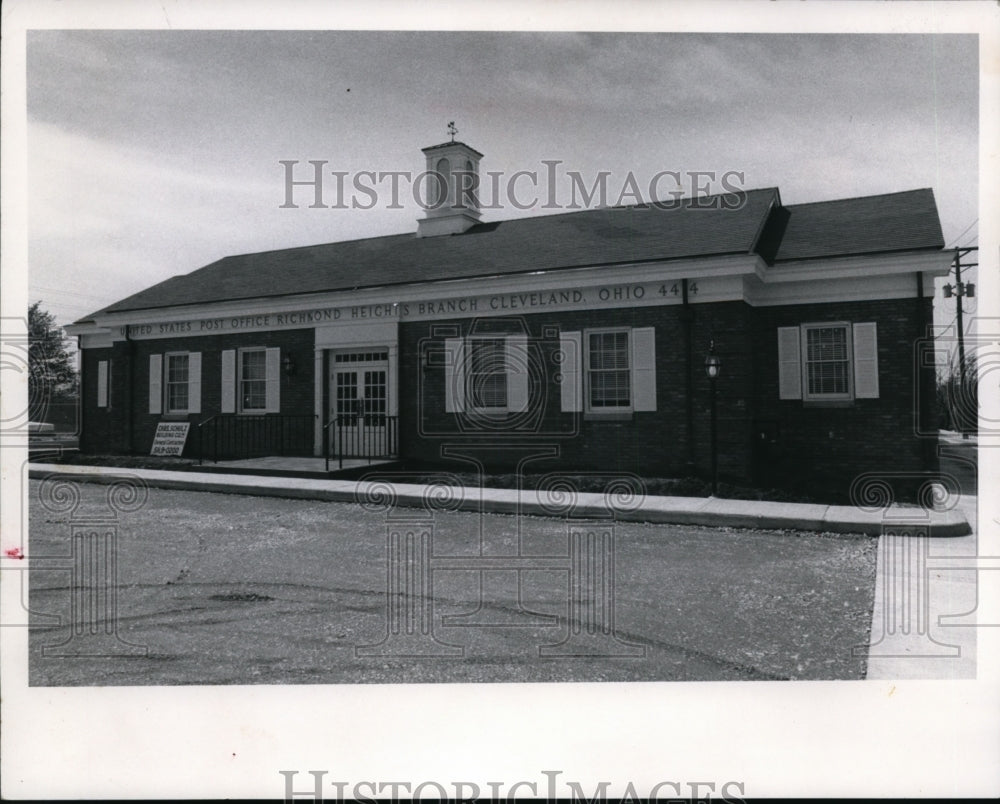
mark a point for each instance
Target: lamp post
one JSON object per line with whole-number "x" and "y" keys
{"x": 712, "y": 367}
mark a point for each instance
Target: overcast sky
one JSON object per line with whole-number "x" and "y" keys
{"x": 153, "y": 153}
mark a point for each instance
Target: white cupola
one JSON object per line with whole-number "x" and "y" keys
{"x": 451, "y": 188}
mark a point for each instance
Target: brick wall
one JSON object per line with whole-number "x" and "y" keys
{"x": 811, "y": 447}
{"x": 108, "y": 430}
{"x": 652, "y": 443}
{"x": 827, "y": 446}
{"x": 808, "y": 447}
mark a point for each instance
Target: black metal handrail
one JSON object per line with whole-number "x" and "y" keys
{"x": 200, "y": 429}
{"x": 237, "y": 436}
{"x": 361, "y": 436}
{"x": 326, "y": 443}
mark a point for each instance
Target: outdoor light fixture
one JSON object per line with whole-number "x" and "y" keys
{"x": 288, "y": 365}
{"x": 713, "y": 365}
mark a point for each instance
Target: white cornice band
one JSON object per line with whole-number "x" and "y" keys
{"x": 726, "y": 278}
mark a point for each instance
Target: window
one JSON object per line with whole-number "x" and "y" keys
{"x": 253, "y": 380}
{"x": 827, "y": 362}
{"x": 833, "y": 362}
{"x": 376, "y": 396}
{"x": 439, "y": 184}
{"x": 608, "y": 371}
{"x": 488, "y": 373}
{"x": 609, "y": 378}
{"x": 361, "y": 357}
{"x": 175, "y": 382}
{"x": 178, "y": 366}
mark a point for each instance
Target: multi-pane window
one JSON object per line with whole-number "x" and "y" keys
{"x": 253, "y": 379}
{"x": 177, "y": 377}
{"x": 361, "y": 357}
{"x": 488, "y": 373}
{"x": 375, "y": 396}
{"x": 608, "y": 370}
{"x": 347, "y": 397}
{"x": 827, "y": 361}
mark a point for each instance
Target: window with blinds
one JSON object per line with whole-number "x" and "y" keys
{"x": 488, "y": 373}
{"x": 253, "y": 380}
{"x": 828, "y": 366}
{"x": 608, "y": 370}
{"x": 177, "y": 375}
{"x": 832, "y": 361}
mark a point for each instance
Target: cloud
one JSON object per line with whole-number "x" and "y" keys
{"x": 123, "y": 216}
{"x": 155, "y": 152}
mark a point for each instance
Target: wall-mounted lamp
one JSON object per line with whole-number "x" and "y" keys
{"x": 288, "y": 365}
{"x": 713, "y": 365}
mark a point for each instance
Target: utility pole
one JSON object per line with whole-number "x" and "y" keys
{"x": 959, "y": 290}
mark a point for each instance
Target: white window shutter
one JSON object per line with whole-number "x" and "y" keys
{"x": 644, "y": 369}
{"x": 155, "y": 383}
{"x": 194, "y": 382}
{"x": 571, "y": 368}
{"x": 517, "y": 373}
{"x": 272, "y": 363}
{"x": 865, "y": 361}
{"x": 454, "y": 375}
{"x": 102, "y": 383}
{"x": 789, "y": 363}
{"x": 228, "y": 381}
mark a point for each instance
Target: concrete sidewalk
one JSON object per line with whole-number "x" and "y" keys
{"x": 924, "y": 621}
{"x": 706, "y": 511}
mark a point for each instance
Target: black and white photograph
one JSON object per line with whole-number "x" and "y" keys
{"x": 499, "y": 401}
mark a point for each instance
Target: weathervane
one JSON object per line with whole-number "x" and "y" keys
{"x": 452, "y": 130}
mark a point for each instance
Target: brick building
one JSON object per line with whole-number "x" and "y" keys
{"x": 571, "y": 341}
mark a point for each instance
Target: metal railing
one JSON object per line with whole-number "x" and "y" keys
{"x": 359, "y": 436}
{"x": 230, "y": 436}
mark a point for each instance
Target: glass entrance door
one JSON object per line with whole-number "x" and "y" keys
{"x": 359, "y": 397}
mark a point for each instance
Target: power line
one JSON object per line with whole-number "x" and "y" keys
{"x": 45, "y": 289}
{"x": 953, "y": 242}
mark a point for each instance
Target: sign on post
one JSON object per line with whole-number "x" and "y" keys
{"x": 170, "y": 438}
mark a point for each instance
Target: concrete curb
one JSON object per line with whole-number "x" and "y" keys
{"x": 709, "y": 512}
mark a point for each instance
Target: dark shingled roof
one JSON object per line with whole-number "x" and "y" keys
{"x": 875, "y": 223}
{"x": 691, "y": 228}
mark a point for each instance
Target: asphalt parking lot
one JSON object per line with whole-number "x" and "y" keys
{"x": 230, "y": 589}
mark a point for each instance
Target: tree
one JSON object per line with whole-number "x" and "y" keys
{"x": 52, "y": 373}
{"x": 958, "y": 405}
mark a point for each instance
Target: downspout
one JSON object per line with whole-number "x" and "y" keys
{"x": 687, "y": 316}
{"x": 80, "y": 398}
{"x": 129, "y": 358}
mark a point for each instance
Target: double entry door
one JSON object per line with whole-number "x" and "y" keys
{"x": 359, "y": 396}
